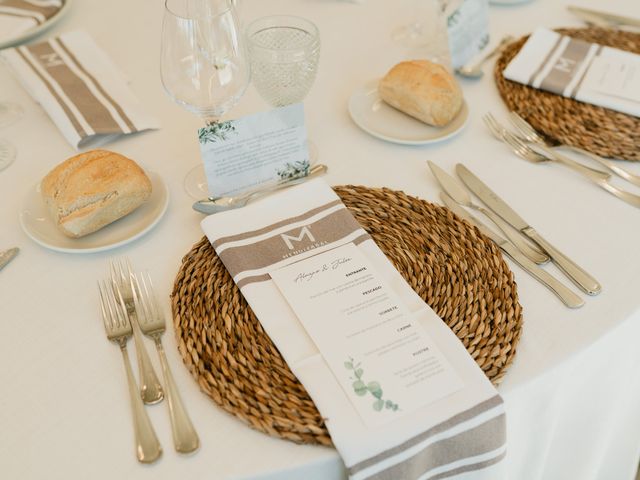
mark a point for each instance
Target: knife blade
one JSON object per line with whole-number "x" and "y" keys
{"x": 579, "y": 276}
{"x": 7, "y": 255}
{"x": 569, "y": 298}
{"x": 458, "y": 193}
{"x": 603, "y": 18}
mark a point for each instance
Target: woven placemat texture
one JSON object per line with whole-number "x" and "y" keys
{"x": 456, "y": 270}
{"x": 596, "y": 129}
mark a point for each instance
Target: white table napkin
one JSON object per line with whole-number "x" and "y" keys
{"x": 588, "y": 72}
{"x": 463, "y": 432}
{"x": 18, "y": 16}
{"x": 83, "y": 92}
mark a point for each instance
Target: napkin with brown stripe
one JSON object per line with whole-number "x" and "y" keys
{"x": 80, "y": 88}
{"x": 18, "y": 16}
{"x": 459, "y": 435}
{"x": 587, "y": 72}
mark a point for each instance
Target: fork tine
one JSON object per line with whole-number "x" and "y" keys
{"x": 106, "y": 319}
{"x": 525, "y": 128}
{"x": 140, "y": 301}
{"x": 152, "y": 297}
{"x": 121, "y": 307}
{"x": 494, "y": 126}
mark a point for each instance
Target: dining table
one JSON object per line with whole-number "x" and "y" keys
{"x": 572, "y": 394}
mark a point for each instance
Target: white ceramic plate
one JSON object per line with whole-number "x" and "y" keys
{"x": 377, "y": 118}
{"x": 36, "y": 30}
{"x": 39, "y": 226}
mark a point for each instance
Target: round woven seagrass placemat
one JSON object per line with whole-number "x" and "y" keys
{"x": 599, "y": 130}
{"x": 456, "y": 270}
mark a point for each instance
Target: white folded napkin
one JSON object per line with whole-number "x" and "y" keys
{"x": 450, "y": 437}
{"x": 83, "y": 92}
{"x": 588, "y": 72}
{"x": 18, "y": 16}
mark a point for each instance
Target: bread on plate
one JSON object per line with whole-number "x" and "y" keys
{"x": 92, "y": 190}
{"x": 423, "y": 90}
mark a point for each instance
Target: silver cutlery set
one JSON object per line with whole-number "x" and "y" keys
{"x": 527, "y": 144}
{"x": 522, "y": 243}
{"x": 130, "y": 309}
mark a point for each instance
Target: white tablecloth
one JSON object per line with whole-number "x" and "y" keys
{"x": 572, "y": 395}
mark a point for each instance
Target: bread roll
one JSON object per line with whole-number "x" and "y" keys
{"x": 423, "y": 90}
{"x": 93, "y": 189}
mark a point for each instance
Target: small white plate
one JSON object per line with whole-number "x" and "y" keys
{"x": 37, "y": 223}
{"x": 377, "y": 118}
{"x": 36, "y": 30}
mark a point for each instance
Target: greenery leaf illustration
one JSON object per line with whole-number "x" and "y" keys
{"x": 294, "y": 170}
{"x": 215, "y": 132}
{"x": 360, "y": 388}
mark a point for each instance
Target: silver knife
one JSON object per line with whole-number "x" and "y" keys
{"x": 567, "y": 297}
{"x": 459, "y": 194}
{"x": 581, "y": 278}
{"x": 603, "y": 18}
{"x": 7, "y": 255}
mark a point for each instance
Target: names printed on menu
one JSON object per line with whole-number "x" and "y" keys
{"x": 383, "y": 359}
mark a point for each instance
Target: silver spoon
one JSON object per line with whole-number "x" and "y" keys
{"x": 220, "y": 204}
{"x": 475, "y": 70}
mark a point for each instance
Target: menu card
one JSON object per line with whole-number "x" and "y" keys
{"x": 380, "y": 355}
{"x": 265, "y": 147}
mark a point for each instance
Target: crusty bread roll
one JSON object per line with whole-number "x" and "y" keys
{"x": 423, "y": 90}
{"x": 93, "y": 189}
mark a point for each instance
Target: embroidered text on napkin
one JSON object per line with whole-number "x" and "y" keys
{"x": 587, "y": 72}
{"x": 79, "y": 87}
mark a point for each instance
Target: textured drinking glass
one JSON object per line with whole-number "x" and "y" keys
{"x": 203, "y": 64}
{"x": 284, "y": 53}
{"x": 9, "y": 113}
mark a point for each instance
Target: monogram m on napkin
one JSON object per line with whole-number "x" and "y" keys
{"x": 587, "y": 72}
{"x": 80, "y": 88}
{"x": 461, "y": 432}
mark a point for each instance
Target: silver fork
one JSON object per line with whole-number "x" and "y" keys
{"x": 528, "y": 133}
{"x": 525, "y": 151}
{"x": 150, "y": 387}
{"x": 118, "y": 329}
{"x": 152, "y": 324}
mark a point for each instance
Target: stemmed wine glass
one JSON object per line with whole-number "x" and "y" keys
{"x": 9, "y": 113}
{"x": 203, "y": 64}
{"x": 284, "y": 52}
{"x": 426, "y": 31}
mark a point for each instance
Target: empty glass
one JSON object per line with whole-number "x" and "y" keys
{"x": 9, "y": 113}
{"x": 284, "y": 53}
{"x": 426, "y": 30}
{"x": 203, "y": 64}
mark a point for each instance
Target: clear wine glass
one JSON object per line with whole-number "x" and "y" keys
{"x": 9, "y": 113}
{"x": 426, "y": 32}
{"x": 284, "y": 52}
{"x": 203, "y": 64}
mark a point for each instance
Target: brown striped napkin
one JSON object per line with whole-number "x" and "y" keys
{"x": 587, "y": 72}
{"x": 83, "y": 92}
{"x": 461, "y": 435}
{"x": 18, "y": 16}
